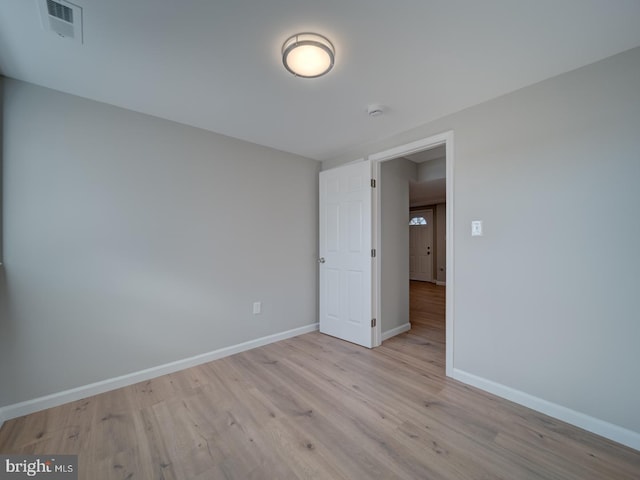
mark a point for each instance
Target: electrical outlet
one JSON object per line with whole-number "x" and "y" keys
{"x": 257, "y": 307}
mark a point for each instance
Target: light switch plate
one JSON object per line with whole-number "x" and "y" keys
{"x": 476, "y": 228}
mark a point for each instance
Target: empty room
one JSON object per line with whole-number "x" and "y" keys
{"x": 328, "y": 240}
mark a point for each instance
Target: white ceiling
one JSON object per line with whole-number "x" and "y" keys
{"x": 216, "y": 64}
{"x": 430, "y": 192}
{"x": 427, "y": 155}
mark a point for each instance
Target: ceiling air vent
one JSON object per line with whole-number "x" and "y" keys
{"x": 62, "y": 18}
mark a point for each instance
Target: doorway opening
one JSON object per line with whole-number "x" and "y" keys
{"x": 431, "y": 190}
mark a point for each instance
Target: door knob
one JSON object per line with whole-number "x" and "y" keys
{"x": 321, "y": 260}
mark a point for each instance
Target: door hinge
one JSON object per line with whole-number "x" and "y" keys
{"x": 373, "y": 252}
{"x": 373, "y": 322}
{"x": 373, "y": 183}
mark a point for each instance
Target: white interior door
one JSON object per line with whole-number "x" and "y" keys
{"x": 421, "y": 245}
{"x": 345, "y": 253}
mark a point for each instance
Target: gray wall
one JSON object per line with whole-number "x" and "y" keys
{"x": 553, "y": 172}
{"x": 132, "y": 241}
{"x": 432, "y": 170}
{"x": 5, "y": 342}
{"x": 394, "y": 221}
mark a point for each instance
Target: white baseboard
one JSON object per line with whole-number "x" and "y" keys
{"x": 442, "y": 284}
{"x": 30, "y": 406}
{"x": 396, "y": 331}
{"x": 586, "y": 422}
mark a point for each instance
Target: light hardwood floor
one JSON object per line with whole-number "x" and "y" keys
{"x": 317, "y": 407}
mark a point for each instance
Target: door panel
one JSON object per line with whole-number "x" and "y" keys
{"x": 345, "y": 247}
{"x": 421, "y": 247}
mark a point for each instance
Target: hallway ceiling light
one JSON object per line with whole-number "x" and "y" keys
{"x": 308, "y": 55}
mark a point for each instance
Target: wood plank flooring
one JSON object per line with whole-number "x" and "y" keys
{"x": 314, "y": 407}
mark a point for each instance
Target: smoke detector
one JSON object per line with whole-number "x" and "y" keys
{"x": 62, "y": 18}
{"x": 375, "y": 110}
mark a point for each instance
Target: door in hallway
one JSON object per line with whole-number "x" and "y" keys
{"x": 421, "y": 245}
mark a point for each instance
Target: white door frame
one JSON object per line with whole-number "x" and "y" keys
{"x": 445, "y": 138}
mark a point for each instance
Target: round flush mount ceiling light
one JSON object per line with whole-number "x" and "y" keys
{"x": 308, "y": 55}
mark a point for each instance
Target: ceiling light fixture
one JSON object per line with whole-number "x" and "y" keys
{"x": 308, "y": 55}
